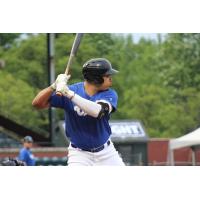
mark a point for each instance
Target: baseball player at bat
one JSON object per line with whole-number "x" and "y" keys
{"x": 88, "y": 106}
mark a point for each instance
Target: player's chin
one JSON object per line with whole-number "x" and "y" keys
{"x": 109, "y": 85}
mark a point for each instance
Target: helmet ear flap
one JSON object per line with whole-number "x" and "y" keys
{"x": 95, "y": 79}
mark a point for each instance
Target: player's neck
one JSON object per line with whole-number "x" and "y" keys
{"x": 90, "y": 89}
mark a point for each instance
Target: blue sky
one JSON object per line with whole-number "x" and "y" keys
{"x": 153, "y": 36}
{"x": 136, "y": 36}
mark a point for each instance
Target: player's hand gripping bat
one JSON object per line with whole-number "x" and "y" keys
{"x": 73, "y": 52}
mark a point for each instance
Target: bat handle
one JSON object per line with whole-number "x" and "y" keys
{"x": 69, "y": 63}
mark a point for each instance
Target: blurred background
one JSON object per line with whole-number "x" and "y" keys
{"x": 158, "y": 88}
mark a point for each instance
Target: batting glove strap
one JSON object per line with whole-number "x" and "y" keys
{"x": 71, "y": 94}
{"x": 64, "y": 90}
{"x": 53, "y": 86}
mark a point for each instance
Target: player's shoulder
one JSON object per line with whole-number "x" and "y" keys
{"x": 110, "y": 91}
{"x": 76, "y": 86}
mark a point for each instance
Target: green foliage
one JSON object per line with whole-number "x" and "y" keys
{"x": 16, "y": 97}
{"x": 158, "y": 83}
{"x": 181, "y": 53}
{"x": 6, "y": 39}
{"x": 27, "y": 61}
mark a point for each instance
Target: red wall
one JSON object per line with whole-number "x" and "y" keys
{"x": 158, "y": 151}
{"x": 38, "y": 152}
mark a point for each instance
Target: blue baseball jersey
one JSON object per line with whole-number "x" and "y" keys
{"x": 26, "y": 156}
{"x": 83, "y": 130}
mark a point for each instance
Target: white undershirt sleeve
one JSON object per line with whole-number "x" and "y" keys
{"x": 91, "y": 108}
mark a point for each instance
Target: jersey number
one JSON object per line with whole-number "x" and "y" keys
{"x": 79, "y": 111}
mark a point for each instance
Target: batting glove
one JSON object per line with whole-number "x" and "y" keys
{"x": 60, "y": 78}
{"x": 64, "y": 90}
{"x": 63, "y": 78}
{"x": 53, "y": 86}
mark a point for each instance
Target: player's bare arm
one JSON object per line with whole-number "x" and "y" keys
{"x": 41, "y": 101}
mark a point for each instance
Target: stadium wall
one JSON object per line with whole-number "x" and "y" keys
{"x": 157, "y": 153}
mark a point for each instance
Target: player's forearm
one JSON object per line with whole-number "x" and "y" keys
{"x": 41, "y": 100}
{"x": 91, "y": 108}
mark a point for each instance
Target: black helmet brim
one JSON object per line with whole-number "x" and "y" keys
{"x": 112, "y": 72}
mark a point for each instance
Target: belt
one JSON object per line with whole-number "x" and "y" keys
{"x": 94, "y": 149}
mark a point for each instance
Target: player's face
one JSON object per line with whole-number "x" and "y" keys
{"x": 107, "y": 82}
{"x": 28, "y": 145}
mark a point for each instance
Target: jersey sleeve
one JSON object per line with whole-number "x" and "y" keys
{"x": 111, "y": 97}
{"x": 59, "y": 101}
{"x": 23, "y": 155}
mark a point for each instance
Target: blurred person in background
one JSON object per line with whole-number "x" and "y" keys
{"x": 25, "y": 153}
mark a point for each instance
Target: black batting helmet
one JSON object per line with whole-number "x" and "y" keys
{"x": 95, "y": 69}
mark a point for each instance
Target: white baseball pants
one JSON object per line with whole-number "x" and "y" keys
{"x": 106, "y": 157}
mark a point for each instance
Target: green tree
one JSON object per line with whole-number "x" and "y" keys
{"x": 16, "y": 97}
{"x": 158, "y": 82}
{"x": 180, "y": 60}
{"x": 6, "y": 39}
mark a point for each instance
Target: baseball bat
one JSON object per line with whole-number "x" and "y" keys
{"x": 73, "y": 52}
